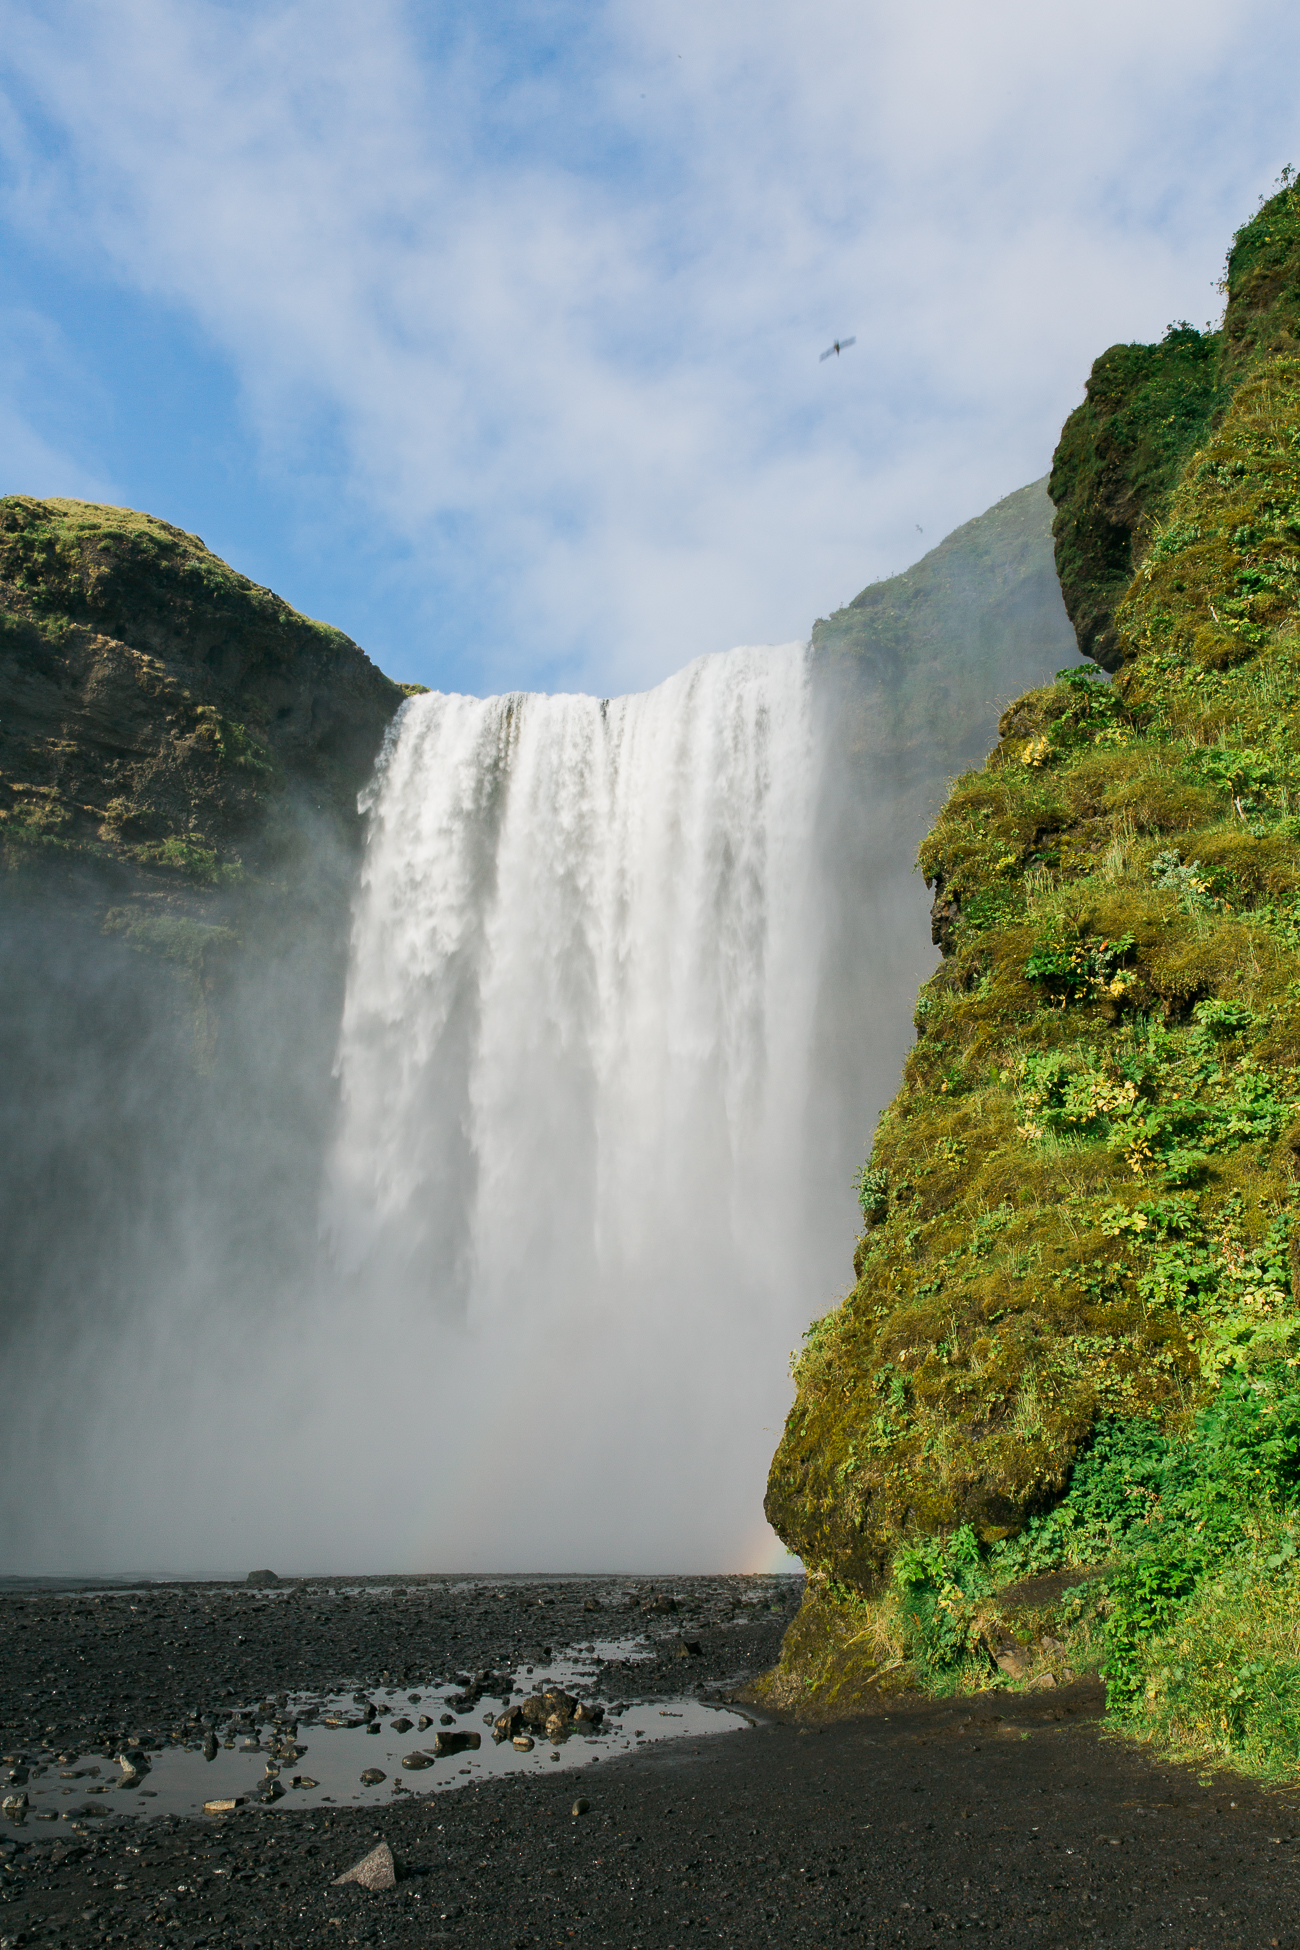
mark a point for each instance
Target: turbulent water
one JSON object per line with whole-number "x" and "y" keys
{"x": 575, "y": 1046}
{"x": 575, "y": 1068}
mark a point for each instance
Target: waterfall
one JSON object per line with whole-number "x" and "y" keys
{"x": 575, "y": 1068}
{"x": 628, "y": 983}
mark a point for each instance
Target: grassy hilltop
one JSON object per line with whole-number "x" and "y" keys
{"x": 1074, "y": 1344}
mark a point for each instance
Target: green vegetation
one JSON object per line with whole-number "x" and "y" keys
{"x": 1076, "y": 1328}
{"x": 1144, "y": 409}
{"x": 1147, "y": 407}
{"x": 162, "y": 715}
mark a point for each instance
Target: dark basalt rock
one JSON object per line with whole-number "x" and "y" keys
{"x": 945, "y": 917}
{"x": 457, "y": 1742}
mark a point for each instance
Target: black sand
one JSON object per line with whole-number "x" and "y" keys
{"x": 1007, "y": 1814}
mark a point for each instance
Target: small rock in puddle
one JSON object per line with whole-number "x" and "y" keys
{"x": 456, "y": 1743}
{"x": 372, "y": 1776}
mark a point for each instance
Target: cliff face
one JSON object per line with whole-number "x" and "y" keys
{"x": 1146, "y": 408}
{"x": 180, "y": 754}
{"x": 1077, "y": 1255}
{"x": 916, "y": 666}
{"x": 159, "y": 711}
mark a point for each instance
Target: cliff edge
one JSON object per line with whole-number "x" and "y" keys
{"x": 158, "y": 711}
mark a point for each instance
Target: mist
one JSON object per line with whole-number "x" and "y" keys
{"x": 502, "y": 1268}
{"x": 459, "y": 1207}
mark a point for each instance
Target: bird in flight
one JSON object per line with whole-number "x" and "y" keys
{"x": 840, "y": 345}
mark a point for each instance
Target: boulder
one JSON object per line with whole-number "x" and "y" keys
{"x": 374, "y": 1871}
{"x": 540, "y": 1708}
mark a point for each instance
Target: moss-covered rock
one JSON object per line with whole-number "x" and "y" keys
{"x": 161, "y": 713}
{"x": 1077, "y": 1210}
{"x": 910, "y": 668}
{"x": 1146, "y": 407}
{"x": 180, "y": 757}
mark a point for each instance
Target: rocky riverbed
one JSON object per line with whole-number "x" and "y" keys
{"x": 1006, "y": 1813}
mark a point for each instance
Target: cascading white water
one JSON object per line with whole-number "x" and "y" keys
{"x": 575, "y": 1067}
{"x": 629, "y": 983}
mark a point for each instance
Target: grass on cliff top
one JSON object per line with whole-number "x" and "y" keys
{"x": 76, "y": 559}
{"x": 1079, "y": 1206}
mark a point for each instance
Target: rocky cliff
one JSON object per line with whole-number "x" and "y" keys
{"x": 180, "y": 755}
{"x": 1075, "y": 1324}
{"x": 915, "y": 668}
{"x": 160, "y": 714}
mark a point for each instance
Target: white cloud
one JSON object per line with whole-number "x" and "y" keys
{"x": 558, "y": 308}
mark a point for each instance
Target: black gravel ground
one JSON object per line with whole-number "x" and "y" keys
{"x": 1007, "y": 1814}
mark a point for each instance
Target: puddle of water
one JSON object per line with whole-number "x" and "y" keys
{"x": 328, "y": 1768}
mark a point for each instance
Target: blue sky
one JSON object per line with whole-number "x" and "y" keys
{"x": 490, "y": 333}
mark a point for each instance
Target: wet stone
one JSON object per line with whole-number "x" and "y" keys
{"x": 457, "y": 1743}
{"x": 415, "y": 1760}
{"x": 372, "y": 1776}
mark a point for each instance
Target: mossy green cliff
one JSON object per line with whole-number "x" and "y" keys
{"x": 180, "y": 756}
{"x": 160, "y": 711}
{"x": 1146, "y": 407}
{"x": 1078, "y": 1208}
{"x": 910, "y": 668}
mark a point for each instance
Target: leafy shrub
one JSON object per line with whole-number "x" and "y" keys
{"x": 1172, "y": 877}
{"x": 937, "y": 1583}
{"x": 1074, "y": 969}
{"x": 872, "y": 1189}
